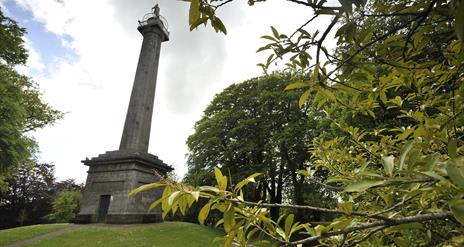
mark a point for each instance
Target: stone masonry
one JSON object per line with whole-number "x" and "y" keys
{"x": 112, "y": 175}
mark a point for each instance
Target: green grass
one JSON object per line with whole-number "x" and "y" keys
{"x": 12, "y": 235}
{"x": 162, "y": 234}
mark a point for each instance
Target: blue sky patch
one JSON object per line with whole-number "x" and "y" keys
{"x": 48, "y": 45}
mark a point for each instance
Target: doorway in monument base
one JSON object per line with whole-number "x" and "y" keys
{"x": 103, "y": 207}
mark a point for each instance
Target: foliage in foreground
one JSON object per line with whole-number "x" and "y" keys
{"x": 400, "y": 183}
{"x": 254, "y": 126}
{"x": 22, "y": 109}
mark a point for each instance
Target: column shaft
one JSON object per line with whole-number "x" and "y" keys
{"x": 136, "y": 133}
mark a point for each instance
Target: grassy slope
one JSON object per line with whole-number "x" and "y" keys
{"x": 9, "y": 236}
{"x": 163, "y": 234}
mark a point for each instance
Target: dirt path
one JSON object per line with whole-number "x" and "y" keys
{"x": 70, "y": 228}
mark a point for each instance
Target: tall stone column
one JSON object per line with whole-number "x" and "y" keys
{"x": 112, "y": 175}
{"x": 136, "y": 133}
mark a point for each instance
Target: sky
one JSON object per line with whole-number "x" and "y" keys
{"x": 83, "y": 55}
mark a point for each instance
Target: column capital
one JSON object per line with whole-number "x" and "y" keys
{"x": 154, "y": 24}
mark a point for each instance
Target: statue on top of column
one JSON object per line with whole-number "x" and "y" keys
{"x": 156, "y": 10}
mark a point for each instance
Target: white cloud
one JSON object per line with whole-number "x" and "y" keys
{"x": 34, "y": 64}
{"x": 94, "y": 88}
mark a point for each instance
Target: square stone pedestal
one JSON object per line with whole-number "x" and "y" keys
{"x": 111, "y": 176}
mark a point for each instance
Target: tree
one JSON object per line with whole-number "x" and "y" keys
{"x": 21, "y": 107}
{"x": 12, "y": 49}
{"x": 396, "y": 180}
{"x": 254, "y": 127}
{"x": 65, "y": 206}
{"x": 33, "y": 196}
{"x": 68, "y": 185}
{"x": 29, "y": 195}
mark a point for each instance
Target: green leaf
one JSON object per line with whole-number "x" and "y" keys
{"x": 304, "y": 97}
{"x": 229, "y": 220}
{"x": 252, "y": 232}
{"x": 431, "y": 161}
{"x": 452, "y": 148}
{"x": 198, "y": 22}
{"x": 288, "y": 225}
{"x": 204, "y": 212}
{"x": 383, "y": 96}
{"x": 164, "y": 204}
{"x": 218, "y": 25}
{"x": 388, "y": 164}
{"x": 321, "y": 229}
{"x": 402, "y": 228}
{"x": 269, "y": 60}
{"x": 209, "y": 188}
{"x": 406, "y": 133}
{"x": 172, "y": 197}
{"x": 266, "y": 47}
{"x": 195, "y": 194}
{"x": 360, "y": 186}
{"x": 194, "y": 11}
{"x": 459, "y": 22}
{"x": 403, "y": 152}
{"x": 145, "y": 187}
{"x": 281, "y": 232}
{"x": 341, "y": 224}
{"x": 220, "y": 179}
{"x": 269, "y": 38}
{"x": 346, "y": 207}
{"x": 296, "y": 227}
{"x": 433, "y": 175}
{"x": 329, "y": 94}
{"x": 456, "y": 173}
{"x": 249, "y": 179}
{"x": 346, "y": 5}
{"x": 307, "y": 173}
{"x": 275, "y": 33}
{"x": 155, "y": 204}
{"x": 296, "y": 85}
{"x": 311, "y": 231}
{"x": 457, "y": 208}
{"x": 229, "y": 238}
{"x": 458, "y": 239}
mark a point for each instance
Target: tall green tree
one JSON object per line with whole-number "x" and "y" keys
{"x": 29, "y": 195}
{"x": 254, "y": 127}
{"x": 65, "y": 206}
{"x": 22, "y": 109}
{"x": 401, "y": 61}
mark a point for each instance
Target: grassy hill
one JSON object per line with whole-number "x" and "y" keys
{"x": 162, "y": 234}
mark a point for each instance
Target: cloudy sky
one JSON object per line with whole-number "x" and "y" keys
{"x": 83, "y": 55}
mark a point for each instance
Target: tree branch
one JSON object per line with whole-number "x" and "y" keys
{"x": 312, "y": 208}
{"x": 302, "y": 26}
{"x": 362, "y": 48}
{"x": 395, "y": 206}
{"x": 315, "y": 6}
{"x": 392, "y": 222}
{"x": 392, "y": 14}
{"x": 367, "y": 236}
{"x": 402, "y": 182}
{"x": 222, "y": 4}
{"x": 423, "y": 15}
{"x": 321, "y": 40}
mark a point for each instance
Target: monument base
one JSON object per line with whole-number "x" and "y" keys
{"x": 111, "y": 176}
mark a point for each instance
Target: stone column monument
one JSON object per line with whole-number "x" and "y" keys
{"x": 112, "y": 175}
